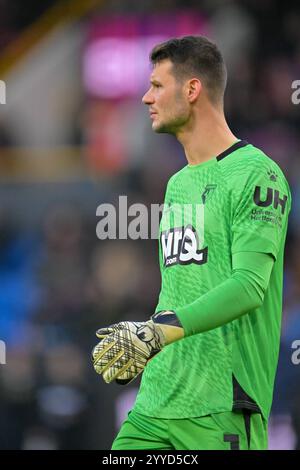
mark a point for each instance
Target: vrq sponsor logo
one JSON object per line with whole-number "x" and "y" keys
{"x": 182, "y": 234}
{"x": 2, "y": 352}
{"x": 180, "y": 245}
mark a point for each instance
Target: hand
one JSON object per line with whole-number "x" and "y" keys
{"x": 126, "y": 347}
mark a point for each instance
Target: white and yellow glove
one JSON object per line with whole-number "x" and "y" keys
{"x": 126, "y": 347}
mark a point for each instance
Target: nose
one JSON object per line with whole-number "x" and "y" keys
{"x": 147, "y": 98}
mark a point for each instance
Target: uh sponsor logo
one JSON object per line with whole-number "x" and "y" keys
{"x": 270, "y": 197}
{"x": 184, "y": 242}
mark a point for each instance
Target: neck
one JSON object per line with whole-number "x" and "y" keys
{"x": 205, "y": 136}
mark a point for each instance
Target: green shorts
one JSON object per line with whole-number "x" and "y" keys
{"x": 221, "y": 431}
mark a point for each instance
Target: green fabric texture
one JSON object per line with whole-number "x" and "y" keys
{"x": 212, "y": 432}
{"x": 221, "y": 261}
{"x": 250, "y": 277}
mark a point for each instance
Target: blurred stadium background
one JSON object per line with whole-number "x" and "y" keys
{"x": 73, "y": 134}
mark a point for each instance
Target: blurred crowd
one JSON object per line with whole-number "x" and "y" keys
{"x": 57, "y": 287}
{"x": 59, "y": 283}
{"x": 14, "y": 17}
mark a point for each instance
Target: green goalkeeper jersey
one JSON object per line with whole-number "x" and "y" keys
{"x": 236, "y": 202}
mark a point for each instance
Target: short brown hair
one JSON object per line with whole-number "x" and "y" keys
{"x": 198, "y": 56}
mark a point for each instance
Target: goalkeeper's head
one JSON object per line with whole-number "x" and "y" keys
{"x": 188, "y": 73}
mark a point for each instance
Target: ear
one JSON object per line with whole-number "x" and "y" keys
{"x": 194, "y": 87}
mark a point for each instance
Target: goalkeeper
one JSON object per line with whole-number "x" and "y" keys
{"x": 209, "y": 353}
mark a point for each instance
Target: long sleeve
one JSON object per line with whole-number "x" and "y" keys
{"x": 238, "y": 295}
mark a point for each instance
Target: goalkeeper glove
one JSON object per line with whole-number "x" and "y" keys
{"x": 126, "y": 347}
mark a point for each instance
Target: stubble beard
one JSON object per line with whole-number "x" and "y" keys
{"x": 172, "y": 126}
{"x": 174, "y": 123}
